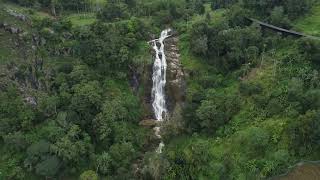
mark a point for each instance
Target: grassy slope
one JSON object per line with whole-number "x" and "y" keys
{"x": 310, "y": 24}
{"x": 77, "y": 19}
{"x": 30, "y": 12}
{"x": 81, "y": 19}
{"x": 8, "y": 51}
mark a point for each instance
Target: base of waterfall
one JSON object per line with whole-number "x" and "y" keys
{"x": 149, "y": 123}
{"x": 155, "y": 126}
{"x": 160, "y": 148}
{"x": 157, "y": 131}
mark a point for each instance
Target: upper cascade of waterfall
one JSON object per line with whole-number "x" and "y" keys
{"x": 159, "y": 77}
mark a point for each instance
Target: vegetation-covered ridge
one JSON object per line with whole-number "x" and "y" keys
{"x": 75, "y": 80}
{"x": 281, "y": 30}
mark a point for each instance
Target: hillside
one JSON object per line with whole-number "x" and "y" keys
{"x": 84, "y": 95}
{"x": 310, "y": 23}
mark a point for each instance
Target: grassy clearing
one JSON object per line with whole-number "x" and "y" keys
{"x": 82, "y": 19}
{"x": 310, "y": 24}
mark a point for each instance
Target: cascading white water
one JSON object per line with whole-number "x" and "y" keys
{"x": 159, "y": 82}
{"x": 159, "y": 77}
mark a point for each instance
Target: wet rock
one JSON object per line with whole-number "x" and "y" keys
{"x": 10, "y": 29}
{"x": 148, "y": 123}
{"x": 14, "y": 30}
{"x": 3, "y": 25}
{"x": 31, "y": 101}
{"x": 175, "y": 87}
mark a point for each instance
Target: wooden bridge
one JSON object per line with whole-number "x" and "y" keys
{"x": 281, "y": 30}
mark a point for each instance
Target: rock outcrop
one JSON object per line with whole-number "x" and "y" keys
{"x": 175, "y": 89}
{"x": 149, "y": 123}
{"x": 17, "y": 15}
{"x": 10, "y": 29}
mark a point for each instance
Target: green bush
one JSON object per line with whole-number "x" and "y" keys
{"x": 249, "y": 88}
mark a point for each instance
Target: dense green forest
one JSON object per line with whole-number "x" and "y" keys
{"x": 70, "y": 107}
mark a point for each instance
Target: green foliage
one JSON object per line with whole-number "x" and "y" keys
{"x": 253, "y": 117}
{"x": 40, "y": 159}
{"x": 217, "y": 110}
{"x": 304, "y": 133}
{"x": 114, "y": 11}
{"x": 47, "y": 104}
{"x": 86, "y": 99}
{"x": 14, "y": 114}
{"x": 249, "y": 88}
{"x": 15, "y": 141}
{"x": 310, "y": 23}
{"x": 108, "y": 51}
{"x": 48, "y": 167}
{"x": 293, "y": 8}
{"x": 104, "y": 163}
{"x": 191, "y": 162}
{"x": 117, "y": 117}
{"x": 217, "y": 4}
{"x": 122, "y": 154}
{"x": 73, "y": 4}
{"x": 237, "y": 16}
{"x": 58, "y": 4}
{"x": 155, "y": 166}
{"x": 89, "y": 175}
{"x": 84, "y": 19}
{"x": 256, "y": 139}
{"x": 278, "y": 18}
{"x": 74, "y": 146}
{"x": 252, "y": 101}
{"x": 226, "y": 45}
{"x": 311, "y": 48}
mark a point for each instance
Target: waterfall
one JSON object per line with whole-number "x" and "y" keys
{"x": 159, "y": 82}
{"x": 159, "y": 78}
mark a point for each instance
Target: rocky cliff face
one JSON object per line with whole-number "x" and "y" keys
{"x": 175, "y": 88}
